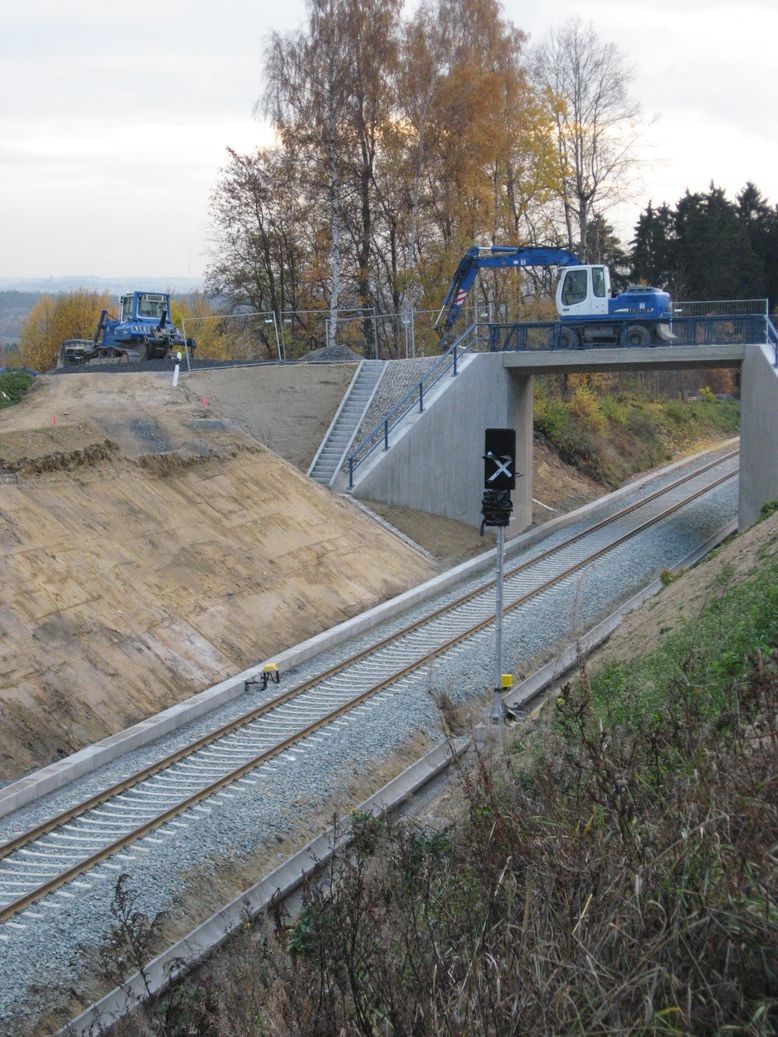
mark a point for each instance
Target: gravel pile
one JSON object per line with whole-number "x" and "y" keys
{"x": 335, "y": 354}
{"x": 257, "y": 813}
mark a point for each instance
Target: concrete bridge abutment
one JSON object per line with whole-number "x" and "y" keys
{"x": 758, "y": 433}
{"x": 436, "y": 466}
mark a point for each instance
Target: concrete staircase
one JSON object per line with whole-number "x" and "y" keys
{"x": 348, "y": 417}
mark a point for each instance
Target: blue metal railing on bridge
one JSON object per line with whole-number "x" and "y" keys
{"x": 379, "y": 434}
{"x": 688, "y": 331}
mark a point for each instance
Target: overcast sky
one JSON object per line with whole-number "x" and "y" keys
{"x": 114, "y": 120}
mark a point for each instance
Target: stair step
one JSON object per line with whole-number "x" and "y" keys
{"x": 331, "y": 455}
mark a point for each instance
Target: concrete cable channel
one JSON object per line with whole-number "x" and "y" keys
{"x": 170, "y": 796}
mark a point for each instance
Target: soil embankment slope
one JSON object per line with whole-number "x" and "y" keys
{"x": 288, "y": 408}
{"x": 150, "y": 548}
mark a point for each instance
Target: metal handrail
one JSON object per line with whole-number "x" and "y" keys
{"x": 712, "y": 330}
{"x": 415, "y": 396}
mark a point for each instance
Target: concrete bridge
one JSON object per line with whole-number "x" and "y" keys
{"x": 434, "y": 462}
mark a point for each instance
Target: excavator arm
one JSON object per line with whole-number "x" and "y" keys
{"x": 476, "y": 259}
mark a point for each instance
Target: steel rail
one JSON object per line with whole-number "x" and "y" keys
{"x": 85, "y": 864}
{"x": 18, "y": 842}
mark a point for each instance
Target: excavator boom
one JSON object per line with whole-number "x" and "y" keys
{"x": 494, "y": 256}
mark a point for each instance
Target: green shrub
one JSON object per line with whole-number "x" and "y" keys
{"x": 614, "y": 410}
{"x": 584, "y": 406}
{"x": 613, "y": 435}
{"x": 551, "y": 417}
{"x": 13, "y": 385}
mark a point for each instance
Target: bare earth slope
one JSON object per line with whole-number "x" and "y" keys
{"x": 288, "y": 408}
{"x": 134, "y": 579}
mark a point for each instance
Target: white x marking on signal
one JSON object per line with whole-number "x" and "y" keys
{"x": 502, "y": 468}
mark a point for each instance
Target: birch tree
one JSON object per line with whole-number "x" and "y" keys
{"x": 587, "y": 84}
{"x": 308, "y": 75}
{"x": 372, "y": 31}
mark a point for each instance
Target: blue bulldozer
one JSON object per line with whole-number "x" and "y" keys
{"x": 142, "y": 331}
{"x": 589, "y": 313}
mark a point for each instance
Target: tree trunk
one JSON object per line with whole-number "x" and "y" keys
{"x": 332, "y": 323}
{"x": 583, "y": 227}
{"x": 365, "y": 178}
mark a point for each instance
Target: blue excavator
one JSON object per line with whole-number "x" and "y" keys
{"x": 142, "y": 331}
{"x": 589, "y": 313}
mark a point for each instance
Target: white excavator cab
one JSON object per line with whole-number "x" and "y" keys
{"x": 583, "y": 291}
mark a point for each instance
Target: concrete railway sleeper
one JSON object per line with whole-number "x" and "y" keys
{"x": 135, "y": 811}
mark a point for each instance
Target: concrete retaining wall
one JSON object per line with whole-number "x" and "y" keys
{"x": 758, "y": 433}
{"x": 438, "y": 464}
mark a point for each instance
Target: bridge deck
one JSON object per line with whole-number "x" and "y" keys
{"x": 625, "y": 358}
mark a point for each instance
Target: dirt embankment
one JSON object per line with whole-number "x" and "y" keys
{"x": 141, "y": 573}
{"x": 287, "y": 408}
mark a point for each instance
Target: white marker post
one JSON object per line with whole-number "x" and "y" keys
{"x": 176, "y": 369}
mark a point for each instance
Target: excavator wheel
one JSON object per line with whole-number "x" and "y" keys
{"x": 569, "y": 338}
{"x": 638, "y": 335}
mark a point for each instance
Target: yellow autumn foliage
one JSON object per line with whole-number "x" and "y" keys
{"x": 196, "y": 319}
{"x": 55, "y": 318}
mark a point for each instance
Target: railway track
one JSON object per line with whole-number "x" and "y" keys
{"x": 166, "y": 797}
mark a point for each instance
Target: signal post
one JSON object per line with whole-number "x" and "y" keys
{"x": 496, "y": 507}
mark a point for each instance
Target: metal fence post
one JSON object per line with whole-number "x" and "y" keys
{"x": 281, "y": 354}
{"x": 421, "y": 397}
{"x": 351, "y": 472}
{"x": 386, "y": 434}
{"x": 186, "y": 345}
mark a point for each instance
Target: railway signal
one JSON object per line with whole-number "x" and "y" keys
{"x": 499, "y": 479}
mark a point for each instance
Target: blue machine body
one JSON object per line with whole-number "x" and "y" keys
{"x": 638, "y": 301}
{"x": 142, "y": 331}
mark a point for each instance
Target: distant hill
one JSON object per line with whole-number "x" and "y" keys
{"x": 14, "y": 307}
